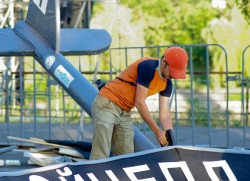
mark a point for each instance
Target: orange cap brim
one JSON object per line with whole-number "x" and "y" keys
{"x": 177, "y": 73}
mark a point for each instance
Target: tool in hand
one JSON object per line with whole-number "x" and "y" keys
{"x": 170, "y": 137}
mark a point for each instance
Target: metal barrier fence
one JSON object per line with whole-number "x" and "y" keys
{"x": 245, "y": 109}
{"x": 34, "y": 105}
{"x": 208, "y": 118}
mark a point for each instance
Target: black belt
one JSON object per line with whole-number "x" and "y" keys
{"x": 130, "y": 83}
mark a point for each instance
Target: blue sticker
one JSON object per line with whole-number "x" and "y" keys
{"x": 63, "y": 75}
{"x": 49, "y": 61}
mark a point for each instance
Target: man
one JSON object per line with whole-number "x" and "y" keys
{"x": 111, "y": 108}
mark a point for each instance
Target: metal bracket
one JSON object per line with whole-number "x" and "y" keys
{"x": 234, "y": 78}
{"x": 52, "y": 82}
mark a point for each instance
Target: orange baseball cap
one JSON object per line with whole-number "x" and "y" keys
{"x": 177, "y": 59}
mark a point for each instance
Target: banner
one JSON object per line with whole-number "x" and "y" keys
{"x": 168, "y": 163}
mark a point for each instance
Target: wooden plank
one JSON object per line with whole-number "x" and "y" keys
{"x": 39, "y": 142}
{"x": 6, "y": 149}
{"x": 63, "y": 150}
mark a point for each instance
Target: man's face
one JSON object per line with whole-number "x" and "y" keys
{"x": 165, "y": 70}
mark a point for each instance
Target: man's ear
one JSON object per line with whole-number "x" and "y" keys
{"x": 162, "y": 62}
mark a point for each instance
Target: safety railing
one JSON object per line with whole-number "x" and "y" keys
{"x": 201, "y": 107}
{"x": 245, "y": 101}
{"x": 196, "y": 130}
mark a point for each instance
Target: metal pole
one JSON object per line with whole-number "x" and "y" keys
{"x": 110, "y": 65}
{"x": 158, "y": 55}
{"x": 144, "y": 124}
{"x": 242, "y": 96}
{"x": 126, "y": 56}
{"x": 208, "y": 94}
{"x": 80, "y": 14}
{"x": 34, "y": 99}
{"x": 227, "y": 99}
{"x": 176, "y": 112}
{"x": 21, "y": 92}
{"x": 192, "y": 93}
{"x": 7, "y": 104}
{"x": 6, "y": 16}
{"x": 97, "y": 67}
{"x": 247, "y": 100}
{"x": 64, "y": 111}
{"x": 49, "y": 104}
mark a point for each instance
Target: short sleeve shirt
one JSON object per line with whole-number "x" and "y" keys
{"x": 146, "y": 72}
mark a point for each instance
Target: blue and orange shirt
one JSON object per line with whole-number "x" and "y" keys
{"x": 143, "y": 71}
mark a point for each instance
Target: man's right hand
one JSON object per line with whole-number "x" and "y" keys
{"x": 161, "y": 138}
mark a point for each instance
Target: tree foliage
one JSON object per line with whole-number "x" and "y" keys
{"x": 173, "y": 22}
{"x": 168, "y": 22}
{"x": 196, "y": 22}
{"x": 244, "y": 6}
{"x": 232, "y": 34}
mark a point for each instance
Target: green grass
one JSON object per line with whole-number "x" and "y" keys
{"x": 235, "y": 97}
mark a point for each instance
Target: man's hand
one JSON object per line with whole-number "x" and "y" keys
{"x": 140, "y": 104}
{"x": 161, "y": 138}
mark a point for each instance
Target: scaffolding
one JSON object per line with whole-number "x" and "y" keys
{"x": 32, "y": 104}
{"x": 26, "y": 90}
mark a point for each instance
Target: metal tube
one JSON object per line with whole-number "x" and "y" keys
{"x": 64, "y": 111}
{"x": 80, "y": 14}
{"x": 34, "y": 99}
{"x": 192, "y": 94}
{"x": 58, "y": 34}
{"x": 49, "y": 104}
{"x": 7, "y": 113}
{"x": 110, "y": 66}
{"x": 227, "y": 98}
{"x": 126, "y": 56}
{"x": 247, "y": 100}
{"x": 176, "y": 112}
{"x": 208, "y": 94}
{"x": 144, "y": 123}
{"x": 21, "y": 92}
{"x": 242, "y": 95}
{"x": 158, "y": 55}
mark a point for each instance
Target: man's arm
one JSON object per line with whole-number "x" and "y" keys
{"x": 165, "y": 114}
{"x": 140, "y": 104}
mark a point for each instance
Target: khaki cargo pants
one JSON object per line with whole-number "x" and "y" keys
{"x": 112, "y": 129}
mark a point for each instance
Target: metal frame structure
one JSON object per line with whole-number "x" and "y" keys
{"x": 52, "y": 120}
{"x": 244, "y": 83}
{"x": 228, "y": 77}
{"x": 54, "y": 123}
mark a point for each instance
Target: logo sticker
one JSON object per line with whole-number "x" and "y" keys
{"x": 63, "y": 75}
{"x": 49, "y": 61}
{"x": 42, "y": 5}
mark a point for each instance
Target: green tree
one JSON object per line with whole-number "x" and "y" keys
{"x": 244, "y": 6}
{"x": 172, "y": 22}
{"x": 167, "y": 22}
{"x": 231, "y": 34}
